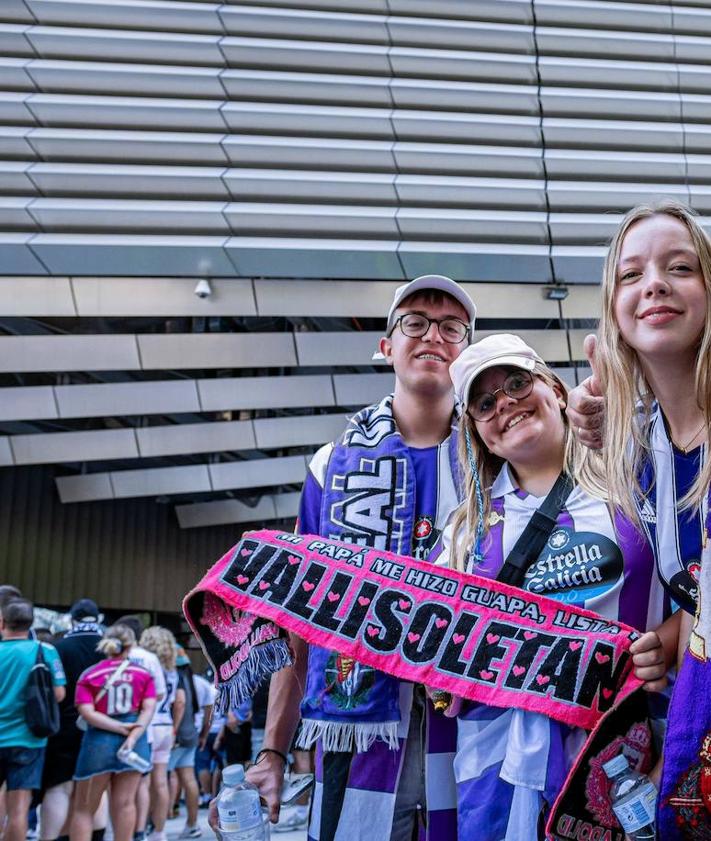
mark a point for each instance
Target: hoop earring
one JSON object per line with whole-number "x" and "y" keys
{"x": 475, "y": 555}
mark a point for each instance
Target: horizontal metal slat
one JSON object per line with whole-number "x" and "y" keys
{"x": 117, "y": 180}
{"x": 28, "y": 296}
{"x": 308, "y": 56}
{"x": 164, "y": 16}
{"x": 81, "y": 144}
{"x": 128, "y": 216}
{"x": 68, "y": 353}
{"x": 319, "y": 88}
{"x": 78, "y": 44}
{"x": 219, "y": 436}
{"x": 132, "y": 254}
{"x": 356, "y": 221}
{"x": 57, "y": 447}
{"x": 124, "y": 112}
{"x": 258, "y": 473}
{"x": 462, "y": 64}
{"x": 226, "y": 511}
{"x": 309, "y": 152}
{"x": 511, "y": 11}
{"x": 132, "y": 398}
{"x": 232, "y": 393}
{"x": 313, "y": 257}
{"x": 460, "y": 35}
{"x": 115, "y": 78}
{"x": 274, "y": 433}
{"x": 126, "y": 296}
{"x": 264, "y": 118}
{"x": 255, "y": 22}
{"x": 303, "y": 185}
{"x": 217, "y": 350}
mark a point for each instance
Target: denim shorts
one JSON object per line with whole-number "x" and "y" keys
{"x": 97, "y": 754}
{"x": 209, "y": 759}
{"x": 182, "y": 758}
{"x": 21, "y": 768}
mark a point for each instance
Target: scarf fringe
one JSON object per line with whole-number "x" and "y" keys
{"x": 340, "y": 736}
{"x": 262, "y": 662}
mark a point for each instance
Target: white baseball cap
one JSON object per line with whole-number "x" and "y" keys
{"x": 501, "y": 349}
{"x": 431, "y": 281}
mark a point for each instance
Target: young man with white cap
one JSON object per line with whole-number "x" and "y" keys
{"x": 390, "y": 482}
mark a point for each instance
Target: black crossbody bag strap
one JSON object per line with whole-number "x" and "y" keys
{"x": 533, "y": 538}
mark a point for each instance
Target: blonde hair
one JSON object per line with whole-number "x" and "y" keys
{"x": 628, "y": 397}
{"x": 466, "y": 519}
{"x": 116, "y": 640}
{"x": 162, "y": 643}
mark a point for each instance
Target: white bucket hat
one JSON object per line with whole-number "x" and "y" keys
{"x": 501, "y": 349}
{"x": 431, "y": 281}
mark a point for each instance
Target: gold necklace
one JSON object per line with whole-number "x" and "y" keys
{"x": 685, "y": 449}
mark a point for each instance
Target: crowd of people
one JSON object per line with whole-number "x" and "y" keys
{"x": 122, "y": 689}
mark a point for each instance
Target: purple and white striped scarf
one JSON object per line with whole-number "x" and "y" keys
{"x": 369, "y": 499}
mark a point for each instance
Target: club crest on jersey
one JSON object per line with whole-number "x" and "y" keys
{"x": 423, "y": 528}
{"x": 348, "y": 681}
{"x": 494, "y": 518}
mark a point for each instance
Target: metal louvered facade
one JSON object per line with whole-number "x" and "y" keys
{"x": 305, "y": 157}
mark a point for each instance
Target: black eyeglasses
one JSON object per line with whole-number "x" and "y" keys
{"x": 415, "y": 326}
{"x": 517, "y": 385}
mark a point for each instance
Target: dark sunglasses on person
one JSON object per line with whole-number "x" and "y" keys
{"x": 517, "y": 385}
{"x": 415, "y": 326}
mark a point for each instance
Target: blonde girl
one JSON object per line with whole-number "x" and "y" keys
{"x": 161, "y": 642}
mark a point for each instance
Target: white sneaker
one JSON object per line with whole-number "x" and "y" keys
{"x": 157, "y": 836}
{"x": 190, "y": 832}
{"x": 291, "y": 818}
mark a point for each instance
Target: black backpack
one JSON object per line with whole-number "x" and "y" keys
{"x": 41, "y": 707}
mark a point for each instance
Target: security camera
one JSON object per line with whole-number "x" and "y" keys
{"x": 203, "y": 289}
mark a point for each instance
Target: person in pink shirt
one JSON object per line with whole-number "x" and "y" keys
{"x": 116, "y": 699}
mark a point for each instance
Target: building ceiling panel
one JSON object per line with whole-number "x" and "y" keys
{"x": 160, "y": 481}
{"x": 258, "y": 473}
{"x": 133, "y": 398}
{"x": 68, "y": 353}
{"x": 228, "y": 393}
{"x": 220, "y": 436}
{"x": 28, "y": 402}
{"x": 217, "y": 350}
{"x": 84, "y": 488}
{"x": 30, "y": 296}
{"x": 224, "y": 511}
{"x": 124, "y": 296}
{"x": 297, "y": 431}
{"x": 57, "y": 447}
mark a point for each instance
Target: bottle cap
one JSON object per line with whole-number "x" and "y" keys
{"x": 613, "y": 766}
{"x": 233, "y": 775}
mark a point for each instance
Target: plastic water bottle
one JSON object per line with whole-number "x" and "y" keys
{"x": 239, "y": 813}
{"x": 130, "y": 757}
{"x": 633, "y": 798}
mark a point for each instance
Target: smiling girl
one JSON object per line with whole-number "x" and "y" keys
{"x": 653, "y": 364}
{"x": 515, "y": 444}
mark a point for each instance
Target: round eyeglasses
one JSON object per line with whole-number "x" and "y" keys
{"x": 415, "y": 326}
{"x": 517, "y": 385}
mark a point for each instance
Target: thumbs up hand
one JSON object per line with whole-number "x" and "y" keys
{"x": 586, "y": 405}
